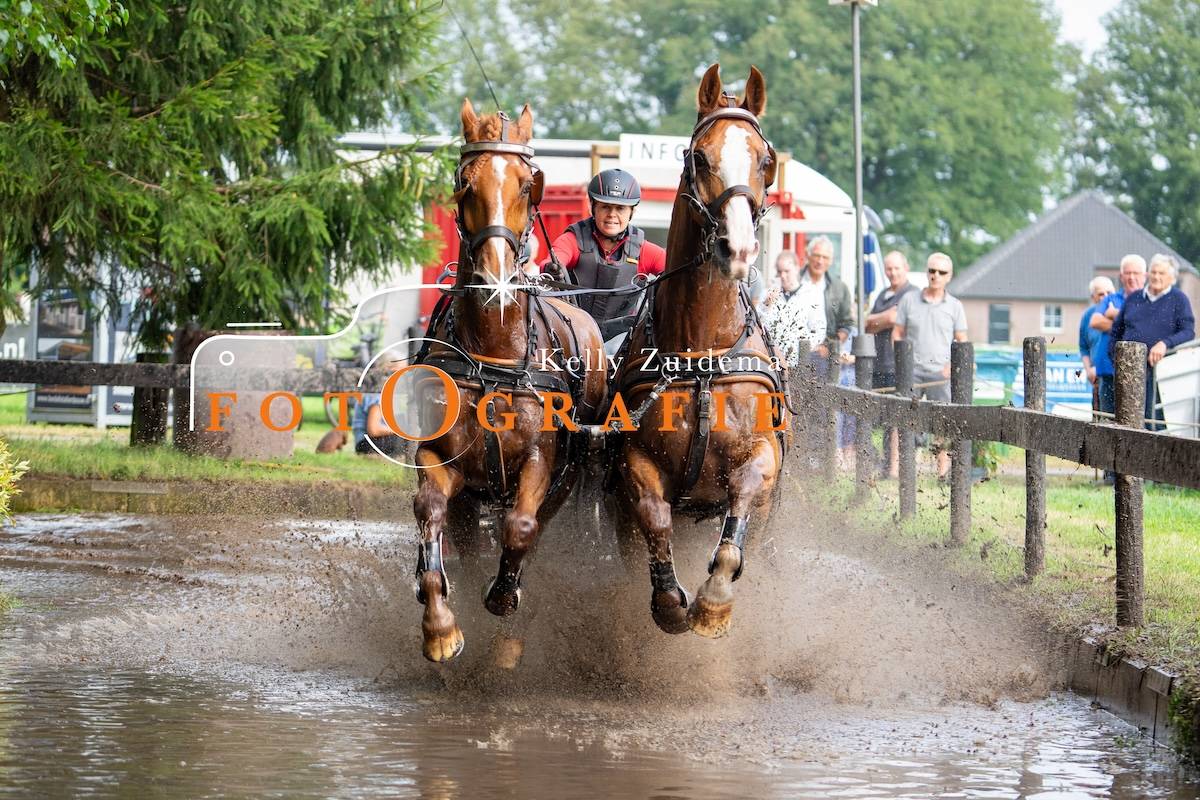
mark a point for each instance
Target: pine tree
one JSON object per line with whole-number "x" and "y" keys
{"x": 194, "y": 148}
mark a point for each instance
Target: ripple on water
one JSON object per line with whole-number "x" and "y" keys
{"x": 182, "y": 658}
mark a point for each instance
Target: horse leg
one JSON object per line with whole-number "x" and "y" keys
{"x": 443, "y": 639}
{"x": 668, "y": 600}
{"x": 520, "y": 532}
{"x": 749, "y": 487}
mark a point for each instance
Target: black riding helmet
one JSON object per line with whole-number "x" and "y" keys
{"x": 615, "y": 186}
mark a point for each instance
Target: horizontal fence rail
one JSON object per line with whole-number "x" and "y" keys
{"x": 1147, "y": 454}
{"x": 179, "y": 376}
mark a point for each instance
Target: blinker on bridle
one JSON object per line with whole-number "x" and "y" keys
{"x": 467, "y": 155}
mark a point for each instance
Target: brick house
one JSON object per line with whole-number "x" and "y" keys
{"x": 1035, "y": 284}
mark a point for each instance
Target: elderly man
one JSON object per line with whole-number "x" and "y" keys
{"x": 791, "y": 315}
{"x": 931, "y": 319}
{"x": 880, "y": 322}
{"x": 1159, "y": 317}
{"x": 1133, "y": 278}
{"x": 834, "y": 296}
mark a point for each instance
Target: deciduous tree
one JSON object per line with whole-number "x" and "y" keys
{"x": 1140, "y": 120}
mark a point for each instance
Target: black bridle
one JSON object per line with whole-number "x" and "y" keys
{"x": 709, "y": 213}
{"x": 468, "y": 153}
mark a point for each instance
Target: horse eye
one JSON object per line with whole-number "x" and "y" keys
{"x": 526, "y": 188}
{"x": 766, "y": 162}
{"x": 700, "y": 160}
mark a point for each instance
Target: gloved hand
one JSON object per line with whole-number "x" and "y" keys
{"x": 557, "y": 271}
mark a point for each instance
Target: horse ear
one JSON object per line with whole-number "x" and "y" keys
{"x": 525, "y": 124}
{"x": 709, "y": 96}
{"x": 469, "y": 119}
{"x": 755, "y": 99}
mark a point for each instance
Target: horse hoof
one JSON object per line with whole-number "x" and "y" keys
{"x": 440, "y": 648}
{"x": 710, "y": 620}
{"x": 671, "y": 617}
{"x": 500, "y": 603}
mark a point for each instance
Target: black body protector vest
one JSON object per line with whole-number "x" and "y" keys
{"x": 594, "y": 271}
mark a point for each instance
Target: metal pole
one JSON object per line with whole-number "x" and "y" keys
{"x": 1035, "y": 462}
{"x": 858, "y": 168}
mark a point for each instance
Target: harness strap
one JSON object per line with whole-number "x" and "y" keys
{"x": 698, "y": 448}
{"x": 497, "y": 482}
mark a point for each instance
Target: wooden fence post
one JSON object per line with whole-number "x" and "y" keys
{"x": 800, "y": 381}
{"x": 962, "y": 391}
{"x": 865, "y": 463}
{"x": 1035, "y": 462}
{"x": 148, "y": 425}
{"x": 904, "y": 437}
{"x": 833, "y": 371}
{"x": 1130, "y": 376}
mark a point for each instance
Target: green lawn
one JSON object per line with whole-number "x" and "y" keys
{"x": 1077, "y": 587}
{"x": 82, "y": 451}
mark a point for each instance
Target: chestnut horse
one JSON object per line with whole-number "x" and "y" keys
{"x": 725, "y": 452}
{"x": 493, "y": 338}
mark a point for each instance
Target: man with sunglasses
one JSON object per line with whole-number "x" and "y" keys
{"x": 931, "y": 319}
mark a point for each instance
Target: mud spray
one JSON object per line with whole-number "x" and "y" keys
{"x": 825, "y": 617}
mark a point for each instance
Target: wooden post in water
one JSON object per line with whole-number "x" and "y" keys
{"x": 904, "y": 437}
{"x": 833, "y": 371}
{"x": 962, "y": 391}
{"x": 1130, "y": 376}
{"x": 864, "y": 457}
{"x": 148, "y": 425}
{"x": 1035, "y": 462}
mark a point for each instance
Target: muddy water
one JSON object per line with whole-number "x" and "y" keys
{"x": 185, "y": 657}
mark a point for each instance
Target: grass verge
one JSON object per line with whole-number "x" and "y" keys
{"x": 80, "y": 451}
{"x": 1076, "y": 592}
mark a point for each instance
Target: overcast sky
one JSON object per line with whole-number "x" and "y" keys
{"x": 1081, "y": 21}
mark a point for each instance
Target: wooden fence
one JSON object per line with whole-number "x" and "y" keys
{"x": 1124, "y": 448}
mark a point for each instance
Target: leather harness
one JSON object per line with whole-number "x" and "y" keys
{"x": 760, "y": 367}
{"x": 488, "y": 374}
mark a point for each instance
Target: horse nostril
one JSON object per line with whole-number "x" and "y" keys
{"x": 724, "y": 251}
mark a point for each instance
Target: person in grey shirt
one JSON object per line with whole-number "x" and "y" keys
{"x": 931, "y": 319}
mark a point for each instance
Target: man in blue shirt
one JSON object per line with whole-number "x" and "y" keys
{"x": 1160, "y": 317}
{"x": 1133, "y": 278}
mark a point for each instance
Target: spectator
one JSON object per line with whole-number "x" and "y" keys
{"x": 931, "y": 319}
{"x": 1133, "y": 278}
{"x": 369, "y": 427}
{"x": 880, "y": 322}
{"x": 834, "y": 296}
{"x": 1090, "y": 339}
{"x": 1160, "y": 317}
{"x": 789, "y": 314}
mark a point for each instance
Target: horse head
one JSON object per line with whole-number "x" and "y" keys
{"x": 496, "y": 188}
{"x": 728, "y": 168}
